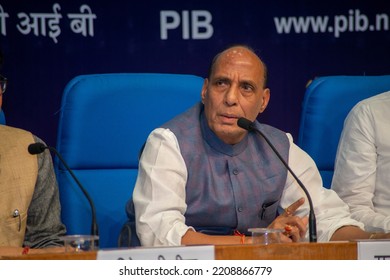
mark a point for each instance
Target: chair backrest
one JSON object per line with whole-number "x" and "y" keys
{"x": 2, "y": 117}
{"x": 326, "y": 103}
{"x": 103, "y": 123}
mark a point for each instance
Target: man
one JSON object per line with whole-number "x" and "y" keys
{"x": 362, "y": 169}
{"x": 202, "y": 178}
{"x": 29, "y": 199}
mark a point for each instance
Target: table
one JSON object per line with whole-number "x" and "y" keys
{"x": 293, "y": 251}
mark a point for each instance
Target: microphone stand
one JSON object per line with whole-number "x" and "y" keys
{"x": 94, "y": 226}
{"x": 248, "y": 125}
{"x": 37, "y": 148}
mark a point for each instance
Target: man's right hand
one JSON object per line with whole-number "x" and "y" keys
{"x": 294, "y": 227}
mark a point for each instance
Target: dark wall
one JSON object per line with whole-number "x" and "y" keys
{"x": 298, "y": 40}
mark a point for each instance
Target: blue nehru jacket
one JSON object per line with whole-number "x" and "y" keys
{"x": 229, "y": 186}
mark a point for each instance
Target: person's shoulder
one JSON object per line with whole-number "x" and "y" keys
{"x": 274, "y": 133}
{"x": 269, "y": 128}
{"x": 369, "y": 107}
{"x": 186, "y": 119}
{"x": 11, "y": 129}
{"x": 381, "y": 99}
{"x": 16, "y": 132}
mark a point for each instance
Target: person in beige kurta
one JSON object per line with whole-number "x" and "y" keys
{"x": 30, "y": 212}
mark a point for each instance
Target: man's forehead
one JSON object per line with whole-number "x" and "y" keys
{"x": 237, "y": 52}
{"x": 238, "y": 58}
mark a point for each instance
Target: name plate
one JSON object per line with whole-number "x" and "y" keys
{"x": 373, "y": 249}
{"x": 159, "y": 253}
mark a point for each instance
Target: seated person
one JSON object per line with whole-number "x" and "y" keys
{"x": 202, "y": 177}
{"x": 29, "y": 198}
{"x": 362, "y": 169}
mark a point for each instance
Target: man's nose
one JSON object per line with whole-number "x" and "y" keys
{"x": 231, "y": 95}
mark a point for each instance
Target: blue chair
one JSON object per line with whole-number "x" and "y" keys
{"x": 103, "y": 123}
{"x": 2, "y": 117}
{"x": 326, "y": 103}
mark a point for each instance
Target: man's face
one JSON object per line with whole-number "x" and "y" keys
{"x": 235, "y": 89}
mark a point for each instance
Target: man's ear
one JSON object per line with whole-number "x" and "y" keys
{"x": 265, "y": 99}
{"x": 204, "y": 90}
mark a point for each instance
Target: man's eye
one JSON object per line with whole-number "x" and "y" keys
{"x": 221, "y": 82}
{"x": 247, "y": 87}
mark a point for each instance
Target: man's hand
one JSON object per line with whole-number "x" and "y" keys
{"x": 294, "y": 227}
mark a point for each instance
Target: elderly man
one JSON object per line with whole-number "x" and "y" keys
{"x": 204, "y": 180}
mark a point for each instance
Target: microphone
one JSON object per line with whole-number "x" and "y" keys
{"x": 38, "y": 148}
{"x": 250, "y": 126}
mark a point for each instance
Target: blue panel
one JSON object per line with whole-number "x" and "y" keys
{"x": 104, "y": 121}
{"x": 109, "y": 190}
{"x": 326, "y": 103}
{"x": 2, "y": 117}
{"x": 108, "y": 114}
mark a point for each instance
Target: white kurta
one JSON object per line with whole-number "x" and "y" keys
{"x": 362, "y": 169}
{"x": 159, "y": 194}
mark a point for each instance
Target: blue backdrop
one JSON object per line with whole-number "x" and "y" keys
{"x": 47, "y": 43}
